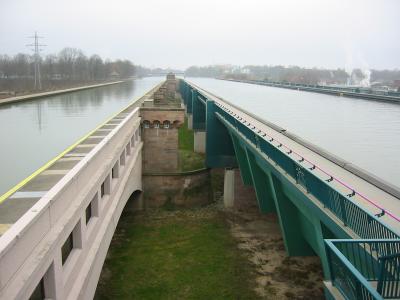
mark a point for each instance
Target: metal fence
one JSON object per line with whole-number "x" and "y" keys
{"x": 361, "y": 266}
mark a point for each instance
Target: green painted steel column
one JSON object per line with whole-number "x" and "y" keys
{"x": 321, "y": 247}
{"x": 295, "y": 243}
{"x": 261, "y": 185}
{"x": 241, "y": 157}
{"x": 189, "y": 104}
{"x": 198, "y": 112}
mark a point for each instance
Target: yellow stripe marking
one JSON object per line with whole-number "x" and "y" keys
{"x": 52, "y": 161}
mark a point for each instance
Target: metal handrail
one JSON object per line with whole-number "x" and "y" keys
{"x": 374, "y": 260}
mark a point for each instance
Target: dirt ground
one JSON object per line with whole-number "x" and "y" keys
{"x": 262, "y": 268}
{"x": 277, "y": 276}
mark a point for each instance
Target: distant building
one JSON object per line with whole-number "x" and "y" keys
{"x": 114, "y": 75}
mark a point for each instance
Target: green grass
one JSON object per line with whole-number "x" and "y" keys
{"x": 172, "y": 257}
{"x": 188, "y": 160}
{"x": 185, "y": 137}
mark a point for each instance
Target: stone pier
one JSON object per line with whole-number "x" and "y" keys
{"x": 236, "y": 194}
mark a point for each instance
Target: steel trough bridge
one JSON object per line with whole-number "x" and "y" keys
{"x": 325, "y": 206}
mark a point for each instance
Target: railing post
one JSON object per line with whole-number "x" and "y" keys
{"x": 343, "y": 209}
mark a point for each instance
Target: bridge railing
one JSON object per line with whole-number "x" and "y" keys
{"x": 362, "y": 91}
{"x": 58, "y": 210}
{"x": 363, "y": 223}
{"x": 365, "y": 269}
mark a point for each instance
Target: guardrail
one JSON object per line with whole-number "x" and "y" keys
{"x": 357, "y": 92}
{"x": 363, "y": 223}
{"x": 365, "y": 269}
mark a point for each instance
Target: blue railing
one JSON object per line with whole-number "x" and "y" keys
{"x": 365, "y": 269}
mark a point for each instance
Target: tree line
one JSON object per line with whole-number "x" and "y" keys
{"x": 69, "y": 67}
{"x": 295, "y": 74}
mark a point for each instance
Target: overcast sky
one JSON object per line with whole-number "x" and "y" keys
{"x": 179, "y": 33}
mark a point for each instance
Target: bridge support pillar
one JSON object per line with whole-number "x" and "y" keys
{"x": 295, "y": 243}
{"x": 229, "y": 188}
{"x": 190, "y": 121}
{"x": 199, "y": 141}
{"x": 236, "y": 194}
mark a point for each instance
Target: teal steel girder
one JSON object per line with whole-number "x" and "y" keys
{"x": 261, "y": 184}
{"x": 241, "y": 158}
{"x": 189, "y": 104}
{"x": 198, "y": 112}
{"x": 219, "y": 148}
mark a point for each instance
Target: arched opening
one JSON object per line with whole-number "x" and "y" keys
{"x": 156, "y": 124}
{"x": 146, "y": 124}
{"x": 176, "y": 124}
{"x": 134, "y": 203}
{"x": 166, "y": 124}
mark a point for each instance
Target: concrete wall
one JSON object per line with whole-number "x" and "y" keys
{"x": 160, "y": 151}
{"x": 31, "y": 249}
{"x": 199, "y": 141}
{"x": 160, "y": 143}
{"x": 181, "y": 189}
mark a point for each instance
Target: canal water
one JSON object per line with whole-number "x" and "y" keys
{"x": 33, "y": 132}
{"x": 364, "y": 132}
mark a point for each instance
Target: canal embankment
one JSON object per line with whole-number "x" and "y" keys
{"x": 56, "y": 92}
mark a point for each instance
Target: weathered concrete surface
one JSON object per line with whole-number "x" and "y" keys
{"x": 190, "y": 121}
{"x": 236, "y": 194}
{"x": 184, "y": 189}
{"x": 229, "y": 188}
{"x": 39, "y": 95}
{"x": 160, "y": 149}
{"x": 199, "y": 141}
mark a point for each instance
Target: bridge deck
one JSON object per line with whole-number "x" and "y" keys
{"x": 18, "y": 200}
{"x": 371, "y": 197}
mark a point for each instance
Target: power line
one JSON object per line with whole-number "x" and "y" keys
{"x": 36, "y": 48}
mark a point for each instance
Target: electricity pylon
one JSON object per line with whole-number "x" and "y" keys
{"x": 36, "y": 48}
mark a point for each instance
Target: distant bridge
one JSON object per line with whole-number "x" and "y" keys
{"x": 324, "y": 205}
